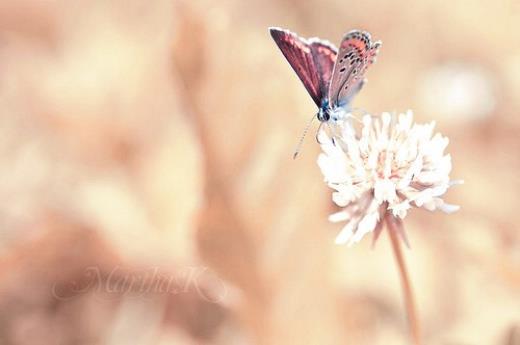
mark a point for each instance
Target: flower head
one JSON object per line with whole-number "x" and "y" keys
{"x": 390, "y": 167}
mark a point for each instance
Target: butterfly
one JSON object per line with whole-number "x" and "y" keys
{"x": 332, "y": 78}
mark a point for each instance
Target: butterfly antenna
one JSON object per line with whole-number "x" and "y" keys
{"x": 300, "y": 143}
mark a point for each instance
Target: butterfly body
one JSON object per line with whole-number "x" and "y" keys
{"x": 326, "y": 112}
{"x": 331, "y": 76}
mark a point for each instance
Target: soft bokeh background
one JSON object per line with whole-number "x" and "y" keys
{"x": 150, "y": 142}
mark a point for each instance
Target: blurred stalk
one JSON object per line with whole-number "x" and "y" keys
{"x": 235, "y": 261}
{"x": 409, "y": 301}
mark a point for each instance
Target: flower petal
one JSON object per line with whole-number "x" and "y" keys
{"x": 340, "y": 216}
{"x": 366, "y": 225}
{"x": 345, "y": 234}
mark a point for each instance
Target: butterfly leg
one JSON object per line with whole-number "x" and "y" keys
{"x": 333, "y": 133}
{"x": 318, "y": 134}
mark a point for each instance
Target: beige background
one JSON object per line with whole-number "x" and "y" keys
{"x": 140, "y": 135}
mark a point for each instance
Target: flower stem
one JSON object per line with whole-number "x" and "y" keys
{"x": 394, "y": 227}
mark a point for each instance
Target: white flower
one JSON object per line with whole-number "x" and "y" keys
{"x": 391, "y": 166}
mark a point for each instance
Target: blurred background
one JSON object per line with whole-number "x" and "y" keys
{"x": 148, "y": 194}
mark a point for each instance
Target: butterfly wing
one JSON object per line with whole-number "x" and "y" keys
{"x": 324, "y": 55}
{"x": 309, "y": 59}
{"x": 356, "y": 53}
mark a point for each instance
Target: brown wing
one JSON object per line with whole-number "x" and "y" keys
{"x": 356, "y": 53}
{"x": 299, "y": 54}
{"x": 324, "y": 55}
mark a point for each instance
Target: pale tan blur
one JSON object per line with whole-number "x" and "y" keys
{"x": 149, "y": 194}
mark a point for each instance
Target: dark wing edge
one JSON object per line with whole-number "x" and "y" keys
{"x": 356, "y": 53}
{"x": 298, "y": 53}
